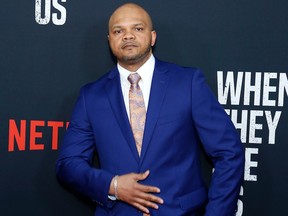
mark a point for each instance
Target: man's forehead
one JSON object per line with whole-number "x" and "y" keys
{"x": 130, "y": 23}
{"x": 127, "y": 16}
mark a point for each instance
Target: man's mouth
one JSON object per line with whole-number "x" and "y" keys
{"x": 129, "y": 46}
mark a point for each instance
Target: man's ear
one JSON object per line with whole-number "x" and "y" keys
{"x": 153, "y": 36}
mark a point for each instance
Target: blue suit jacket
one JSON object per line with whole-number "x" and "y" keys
{"x": 182, "y": 115}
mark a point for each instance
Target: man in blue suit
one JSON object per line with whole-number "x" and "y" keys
{"x": 162, "y": 174}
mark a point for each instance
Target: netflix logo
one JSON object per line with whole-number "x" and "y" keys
{"x": 33, "y": 135}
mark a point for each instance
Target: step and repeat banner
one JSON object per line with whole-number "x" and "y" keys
{"x": 50, "y": 48}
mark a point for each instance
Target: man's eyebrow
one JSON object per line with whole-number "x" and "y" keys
{"x": 120, "y": 26}
{"x": 139, "y": 24}
{"x": 116, "y": 26}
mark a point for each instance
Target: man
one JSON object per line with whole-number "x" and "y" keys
{"x": 153, "y": 170}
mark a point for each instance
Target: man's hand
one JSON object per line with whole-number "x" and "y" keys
{"x": 129, "y": 190}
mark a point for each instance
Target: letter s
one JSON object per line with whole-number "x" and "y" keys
{"x": 63, "y": 13}
{"x": 240, "y": 204}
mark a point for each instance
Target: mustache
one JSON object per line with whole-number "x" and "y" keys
{"x": 127, "y": 44}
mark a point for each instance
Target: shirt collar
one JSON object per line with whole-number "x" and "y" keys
{"x": 145, "y": 71}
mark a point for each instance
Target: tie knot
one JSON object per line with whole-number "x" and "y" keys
{"x": 134, "y": 78}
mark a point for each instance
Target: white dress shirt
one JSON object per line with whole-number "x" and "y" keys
{"x": 146, "y": 73}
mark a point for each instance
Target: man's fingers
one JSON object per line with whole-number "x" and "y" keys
{"x": 134, "y": 193}
{"x": 141, "y": 207}
{"x": 148, "y": 204}
{"x": 148, "y": 189}
{"x": 142, "y": 176}
{"x": 151, "y": 198}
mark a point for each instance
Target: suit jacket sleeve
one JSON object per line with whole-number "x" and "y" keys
{"x": 74, "y": 165}
{"x": 222, "y": 144}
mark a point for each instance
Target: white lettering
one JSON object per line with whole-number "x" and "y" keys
{"x": 283, "y": 86}
{"x": 267, "y": 89}
{"x": 47, "y": 16}
{"x": 38, "y": 15}
{"x": 249, "y": 164}
{"x": 242, "y": 125}
{"x": 62, "y": 19}
{"x": 246, "y": 122}
{"x": 250, "y": 88}
{"x": 272, "y": 124}
{"x": 254, "y": 126}
{"x": 265, "y": 94}
{"x": 235, "y": 91}
{"x": 240, "y": 203}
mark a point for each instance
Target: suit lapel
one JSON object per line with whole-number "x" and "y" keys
{"x": 157, "y": 93}
{"x": 114, "y": 92}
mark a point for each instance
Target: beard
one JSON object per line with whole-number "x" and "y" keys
{"x": 134, "y": 59}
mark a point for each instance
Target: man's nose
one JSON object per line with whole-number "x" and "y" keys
{"x": 129, "y": 36}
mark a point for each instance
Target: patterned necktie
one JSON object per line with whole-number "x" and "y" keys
{"x": 137, "y": 110}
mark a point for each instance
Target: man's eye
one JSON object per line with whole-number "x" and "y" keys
{"x": 117, "y": 31}
{"x": 139, "y": 29}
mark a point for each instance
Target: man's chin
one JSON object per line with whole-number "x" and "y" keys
{"x": 131, "y": 59}
{"x": 134, "y": 58}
